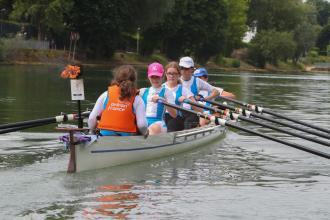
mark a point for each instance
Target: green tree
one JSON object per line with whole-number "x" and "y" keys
{"x": 280, "y": 15}
{"x": 305, "y": 35}
{"x": 323, "y": 10}
{"x": 323, "y": 39}
{"x": 195, "y": 28}
{"x": 236, "y": 27}
{"x": 6, "y": 7}
{"x": 271, "y": 46}
{"x": 45, "y": 15}
{"x": 99, "y": 24}
{"x": 106, "y": 25}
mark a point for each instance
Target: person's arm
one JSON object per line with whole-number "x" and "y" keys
{"x": 97, "y": 111}
{"x": 228, "y": 94}
{"x": 186, "y": 94}
{"x": 206, "y": 86}
{"x": 140, "y": 113}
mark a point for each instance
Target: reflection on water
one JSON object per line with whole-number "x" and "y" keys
{"x": 115, "y": 201}
{"x": 240, "y": 177}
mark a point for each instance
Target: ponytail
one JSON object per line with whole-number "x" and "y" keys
{"x": 125, "y": 78}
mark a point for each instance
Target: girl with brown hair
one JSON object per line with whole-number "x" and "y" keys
{"x": 122, "y": 112}
{"x": 173, "y": 83}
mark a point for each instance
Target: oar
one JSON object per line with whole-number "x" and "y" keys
{"x": 6, "y": 128}
{"x": 259, "y": 109}
{"x": 241, "y": 117}
{"x": 223, "y": 122}
{"x": 243, "y": 111}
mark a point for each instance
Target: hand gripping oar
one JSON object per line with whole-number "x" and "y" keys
{"x": 235, "y": 116}
{"x": 239, "y": 110}
{"x": 259, "y": 109}
{"x": 223, "y": 122}
{"x": 6, "y": 128}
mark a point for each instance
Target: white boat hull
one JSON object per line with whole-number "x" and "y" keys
{"x": 112, "y": 151}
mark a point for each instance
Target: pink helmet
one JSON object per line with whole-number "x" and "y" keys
{"x": 155, "y": 69}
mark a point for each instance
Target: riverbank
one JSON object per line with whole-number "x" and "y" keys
{"x": 59, "y": 57}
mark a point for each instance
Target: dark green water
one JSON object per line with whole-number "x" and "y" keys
{"x": 241, "y": 177}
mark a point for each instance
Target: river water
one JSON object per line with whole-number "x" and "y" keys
{"x": 239, "y": 177}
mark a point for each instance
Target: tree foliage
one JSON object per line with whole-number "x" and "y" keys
{"x": 280, "y": 15}
{"x": 199, "y": 28}
{"x": 271, "y": 46}
{"x": 195, "y": 28}
{"x": 45, "y": 15}
{"x": 323, "y": 39}
{"x": 305, "y": 35}
{"x": 236, "y": 26}
{"x": 323, "y": 10}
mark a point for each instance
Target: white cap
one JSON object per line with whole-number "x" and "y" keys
{"x": 186, "y": 62}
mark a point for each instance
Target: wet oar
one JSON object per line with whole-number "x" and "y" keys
{"x": 259, "y": 109}
{"x": 243, "y": 118}
{"x": 243, "y": 111}
{"x": 223, "y": 122}
{"x": 6, "y": 128}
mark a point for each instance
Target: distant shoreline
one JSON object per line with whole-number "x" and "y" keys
{"x": 121, "y": 58}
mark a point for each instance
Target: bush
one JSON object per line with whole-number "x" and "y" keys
{"x": 272, "y": 46}
{"x": 236, "y": 63}
{"x": 313, "y": 53}
{"x": 220, "y": 60}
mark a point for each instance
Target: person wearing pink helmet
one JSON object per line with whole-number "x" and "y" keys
{"x": 154, "y": 110}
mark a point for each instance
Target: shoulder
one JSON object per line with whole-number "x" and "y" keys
{"x": 142, "y": 91}
{"x": 199, "y": 81}
{"x": 204, "y": 84}
{"x": 103, "y": 96}
{"x": 138, "y": 101}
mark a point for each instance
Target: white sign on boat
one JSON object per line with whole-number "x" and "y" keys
{"x": 77, "y": 89}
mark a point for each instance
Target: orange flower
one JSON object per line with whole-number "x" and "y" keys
{"x": 71, "y": 72}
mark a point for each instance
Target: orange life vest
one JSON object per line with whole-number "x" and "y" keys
{"x": 118, "y": 115}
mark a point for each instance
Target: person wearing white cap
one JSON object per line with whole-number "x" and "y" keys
{"x": 194, "y": 84}
{"x": 155, "y": 111}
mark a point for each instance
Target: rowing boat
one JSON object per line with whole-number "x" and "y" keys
{"x": 108, "y": 151}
